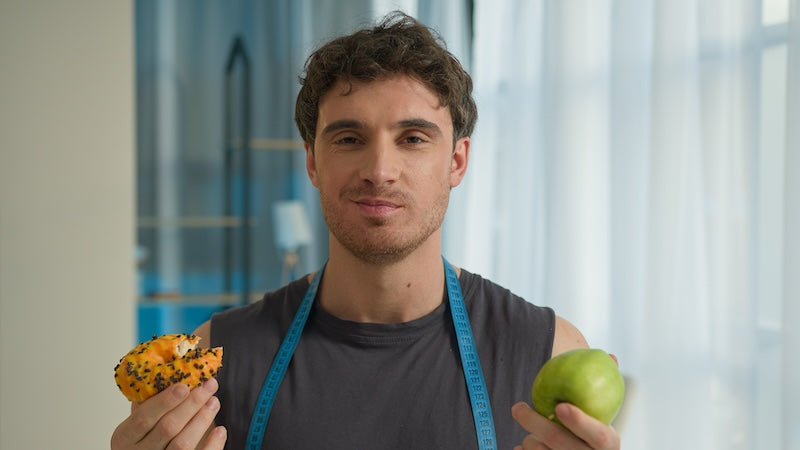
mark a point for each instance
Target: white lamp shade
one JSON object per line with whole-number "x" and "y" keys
{"x": 291, "y": 226}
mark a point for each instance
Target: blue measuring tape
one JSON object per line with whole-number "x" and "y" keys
{"x": 476, "y": 385}
{"x": 473, "y": 374}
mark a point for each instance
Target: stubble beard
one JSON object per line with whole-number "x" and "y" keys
{"x": 379, "y": 241}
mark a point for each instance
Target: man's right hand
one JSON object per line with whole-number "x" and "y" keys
{"x": 173, "y": 419}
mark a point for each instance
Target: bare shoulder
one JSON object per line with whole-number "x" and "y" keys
{"x": 204, "y": 332}
{"x": 567, "y": 337}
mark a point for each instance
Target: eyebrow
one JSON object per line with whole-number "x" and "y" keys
{"x": 341, "y": 125}
{"x": 421, "y": 124}
{"x": 406, "y": 123}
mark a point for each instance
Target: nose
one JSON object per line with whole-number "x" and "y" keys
{"x": 381, "y": 164}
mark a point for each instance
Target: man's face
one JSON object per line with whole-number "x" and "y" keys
{"x": 384, "y": 164}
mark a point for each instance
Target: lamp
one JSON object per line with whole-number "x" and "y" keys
{"x": 292, "y": 230}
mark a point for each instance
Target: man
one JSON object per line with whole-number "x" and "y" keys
{"x": 377, "y": 361}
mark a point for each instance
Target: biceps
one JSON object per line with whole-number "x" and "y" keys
{"x": 567, "y": 337}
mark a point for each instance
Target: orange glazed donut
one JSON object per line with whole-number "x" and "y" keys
{"x": 162, "y": 361}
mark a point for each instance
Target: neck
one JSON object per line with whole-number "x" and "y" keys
{"x": 388, "y": 293}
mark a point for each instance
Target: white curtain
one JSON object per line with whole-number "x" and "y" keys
{"x": 635, "y": 166}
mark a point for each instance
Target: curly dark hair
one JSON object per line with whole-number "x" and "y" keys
{"x": 398, "y": 44}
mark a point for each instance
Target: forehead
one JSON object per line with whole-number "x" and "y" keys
{"x": 397, "y": 94}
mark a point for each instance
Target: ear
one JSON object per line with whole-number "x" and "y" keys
{"x": 458, "y": 161}
{"x": 311, "y": 165}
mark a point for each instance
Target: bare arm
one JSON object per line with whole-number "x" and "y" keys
{"x": 204, "y": 331}
{"x": 567, "y": 337}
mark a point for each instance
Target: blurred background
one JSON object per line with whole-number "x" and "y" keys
{"x": 632, "y": 167}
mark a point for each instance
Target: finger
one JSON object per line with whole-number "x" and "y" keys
{"x": 172, "y": 423}
{"x": 595, "y": 433}
{"x": 198, "y": 426}
{"x": 216, "y": 439}
{"x": 548, "y": 433}
{"x": 531, "y": 443}
{"x": 144, "y": 417}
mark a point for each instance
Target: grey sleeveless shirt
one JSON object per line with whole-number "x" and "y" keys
{"x": 379, "y": 386}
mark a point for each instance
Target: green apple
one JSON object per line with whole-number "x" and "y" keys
{"x": 587, "y": 378}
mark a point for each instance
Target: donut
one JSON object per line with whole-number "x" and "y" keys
{"x": 152, "y": 366}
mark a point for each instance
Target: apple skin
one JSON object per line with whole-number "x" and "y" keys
{"x": 586, "y": 378}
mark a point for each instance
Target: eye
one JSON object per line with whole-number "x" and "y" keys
{"x": 346, "y": 140}
{"x": 414, "y": 139}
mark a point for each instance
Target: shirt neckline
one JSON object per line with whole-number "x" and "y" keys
{"x": 378, "y": 334}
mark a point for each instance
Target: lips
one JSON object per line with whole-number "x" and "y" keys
{"x": 376, "y": 206}
{"x": 377, "y": 203}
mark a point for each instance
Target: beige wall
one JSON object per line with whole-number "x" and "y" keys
{"x": 66, "y": 219}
